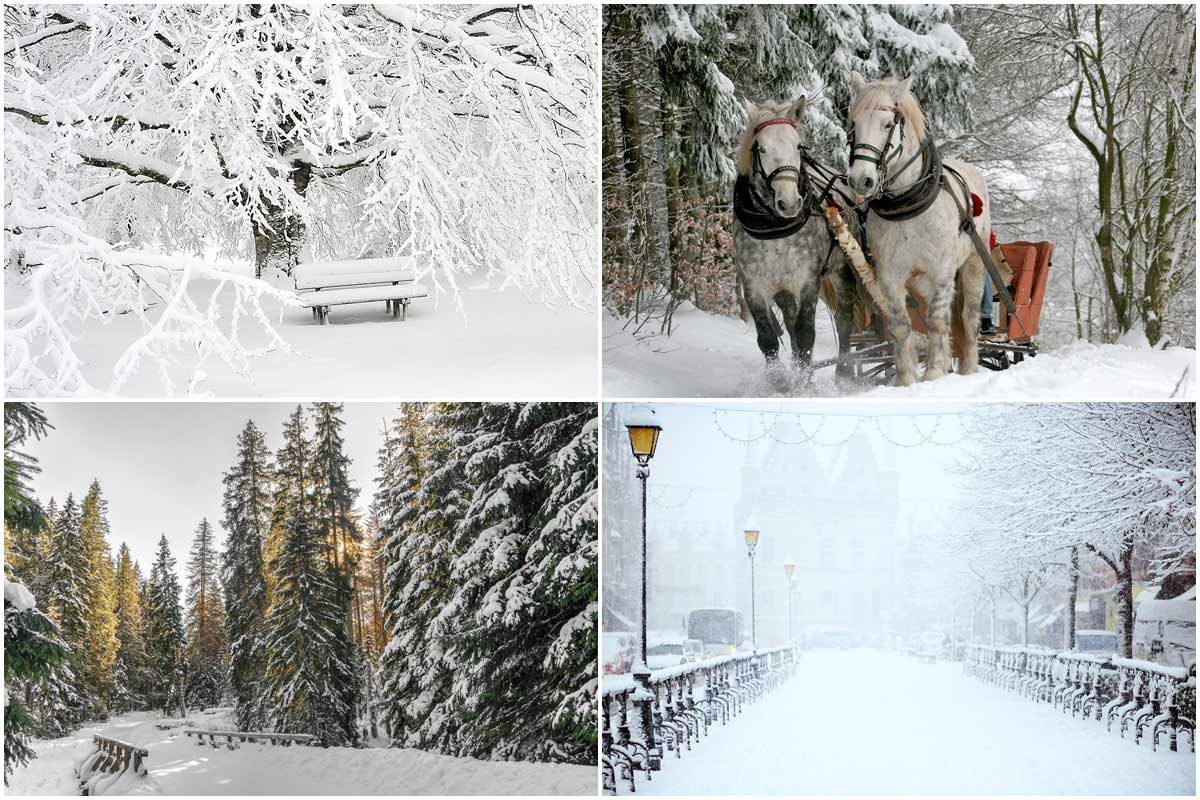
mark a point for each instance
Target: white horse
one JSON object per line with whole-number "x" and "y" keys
{"x": 915, "y": 228}
{"x": 782, "y": 249}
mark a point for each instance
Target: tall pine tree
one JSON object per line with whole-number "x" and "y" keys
{"x": 98, "y": 648}
{"x": 207, "y": 657}
{"x": 304, "y": 622}
{"x": 130, "y": 669}
{"x": 164, "y": 634}
{"x": 334, "y": 516}
{"x": 247, "y": 519}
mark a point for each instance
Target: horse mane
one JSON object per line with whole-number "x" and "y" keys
{"x": 768, "y": 110}
{"x": 883, "y": 93}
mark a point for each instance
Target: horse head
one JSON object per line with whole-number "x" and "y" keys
{"x": 771, "y": 154}
{"x": 888, "y": 125}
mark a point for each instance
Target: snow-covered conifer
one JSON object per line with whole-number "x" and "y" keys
{"x": 207, "y": 647}
{"x": 247, "y": 519}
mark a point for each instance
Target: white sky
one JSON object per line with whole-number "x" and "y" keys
{"x": 160, "y": 464}
{"x": 694, "y": 452}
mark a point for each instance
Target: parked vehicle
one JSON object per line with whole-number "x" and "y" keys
{"x": 1164, "y": 631}
{"x": 616, "y": 652}
{"x": 665, "y": 654}
{"x": 1101, "y": 643}
{"x": 719, "y": 629}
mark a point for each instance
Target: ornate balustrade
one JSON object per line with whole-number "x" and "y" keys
{"x": 1139, "y": 698}
{"x": 682, "y": 703}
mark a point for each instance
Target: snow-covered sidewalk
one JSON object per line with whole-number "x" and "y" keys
{"x": 179, "y": 766}
{"x": 870, "y": 722}
{"x": 713, "y": 356}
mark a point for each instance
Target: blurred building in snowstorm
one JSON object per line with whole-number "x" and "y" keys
{"x": 832, "y": 511}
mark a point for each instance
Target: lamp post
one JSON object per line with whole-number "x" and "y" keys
{"x": 751, "y": 542}
{"x": 643, "y": 440}
{"x": 788, "y": 569}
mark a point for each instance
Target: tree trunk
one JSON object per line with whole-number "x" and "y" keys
{"x": 1125, "y": 599}
{"x": 278, "y": 239}
{"x": 1072, "y": 597}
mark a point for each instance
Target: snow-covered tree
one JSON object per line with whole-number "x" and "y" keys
{"x": 149, "y": 146}
{"x": 413, "y": 507}
{"x": 1116, "y": 481}
{"x": 32, "y": 652}
{"x": 247, "y": 504}
{"x": 207, "y": 647}
{"x": 97, "y": 649}
{"x": 129, "y": 671}
{"x": 490, "y": 522}
{"x": 307, "y": 679}
{"x": 164, "y": 633}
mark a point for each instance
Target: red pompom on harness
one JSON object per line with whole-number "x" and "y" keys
{"x": 991, "y": 240}
{"x": 976, "y": 205}
{"x": 776, "y": 121}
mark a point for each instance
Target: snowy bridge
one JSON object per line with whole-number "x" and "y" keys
{"x": 1005, "y": 721}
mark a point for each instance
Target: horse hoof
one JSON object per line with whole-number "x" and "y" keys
{"x": 934, "y": 374}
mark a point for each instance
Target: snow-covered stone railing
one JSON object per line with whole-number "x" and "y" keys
{"x": 683, "y": 702}
{"x": 108, "y": 763}
{"x": 233, "y": 737}
{"x": 1140, "y": 697}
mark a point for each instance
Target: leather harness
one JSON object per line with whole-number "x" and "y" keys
{"x": 916, "y": 199}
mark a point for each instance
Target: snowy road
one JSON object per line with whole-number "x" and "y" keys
{"x": 179, "y": 766}
{"x": 712, "y": 356}
{"x": 865, "y": 722}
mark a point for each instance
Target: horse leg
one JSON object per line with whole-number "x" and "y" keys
{"x": 843, "y": 319}
{"x": 764, "y": 325}
{"x": 938, "y": 319}
{"x": 895, "y": 295}
{"x": 803, "y": 328}
{"x": 971, "y": 273}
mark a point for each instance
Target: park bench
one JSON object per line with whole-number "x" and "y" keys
{"x": 233, "y": 739}
{"x": 112, "y": 757}
{"x": 324, "y": 284}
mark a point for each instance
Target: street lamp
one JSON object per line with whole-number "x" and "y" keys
{"x": 643, "y": 441}
{"x": 752, "y": 542}
{"x": 788, "y": 569}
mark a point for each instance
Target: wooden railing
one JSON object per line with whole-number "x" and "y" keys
{"x": 1145, "y": 699}
{"x": 232, "y": 738}
{"x": 682, "y": 703}
{"x": 112, "y": 757}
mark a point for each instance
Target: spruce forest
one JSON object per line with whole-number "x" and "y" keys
{"x": 451, "y": 609}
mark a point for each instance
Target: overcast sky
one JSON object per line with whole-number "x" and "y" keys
{"x": 160, "y": 464}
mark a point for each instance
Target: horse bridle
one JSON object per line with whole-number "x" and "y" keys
{"x": 787, "y": 169}
{"x": 884, "y": 158}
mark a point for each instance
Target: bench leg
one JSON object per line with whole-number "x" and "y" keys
{"x": 325, "y": 315}
{"x": 404, "y": 304}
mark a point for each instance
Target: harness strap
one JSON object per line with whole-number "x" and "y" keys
{"x": 775, "y": 121}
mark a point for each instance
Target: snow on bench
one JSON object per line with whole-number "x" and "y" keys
{"x": 333, "y": 283}
{"x": 110, "y": 761}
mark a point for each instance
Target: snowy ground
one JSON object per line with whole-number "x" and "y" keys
{"x": 713, "y": 356}
{"x": 505, "y": 345}
{"x": 863, "y": 722}
{"x": 179, "y": 766}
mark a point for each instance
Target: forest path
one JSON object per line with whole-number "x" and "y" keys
{"x": 178, "y": 765}
{"x": 871, "y": 722}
